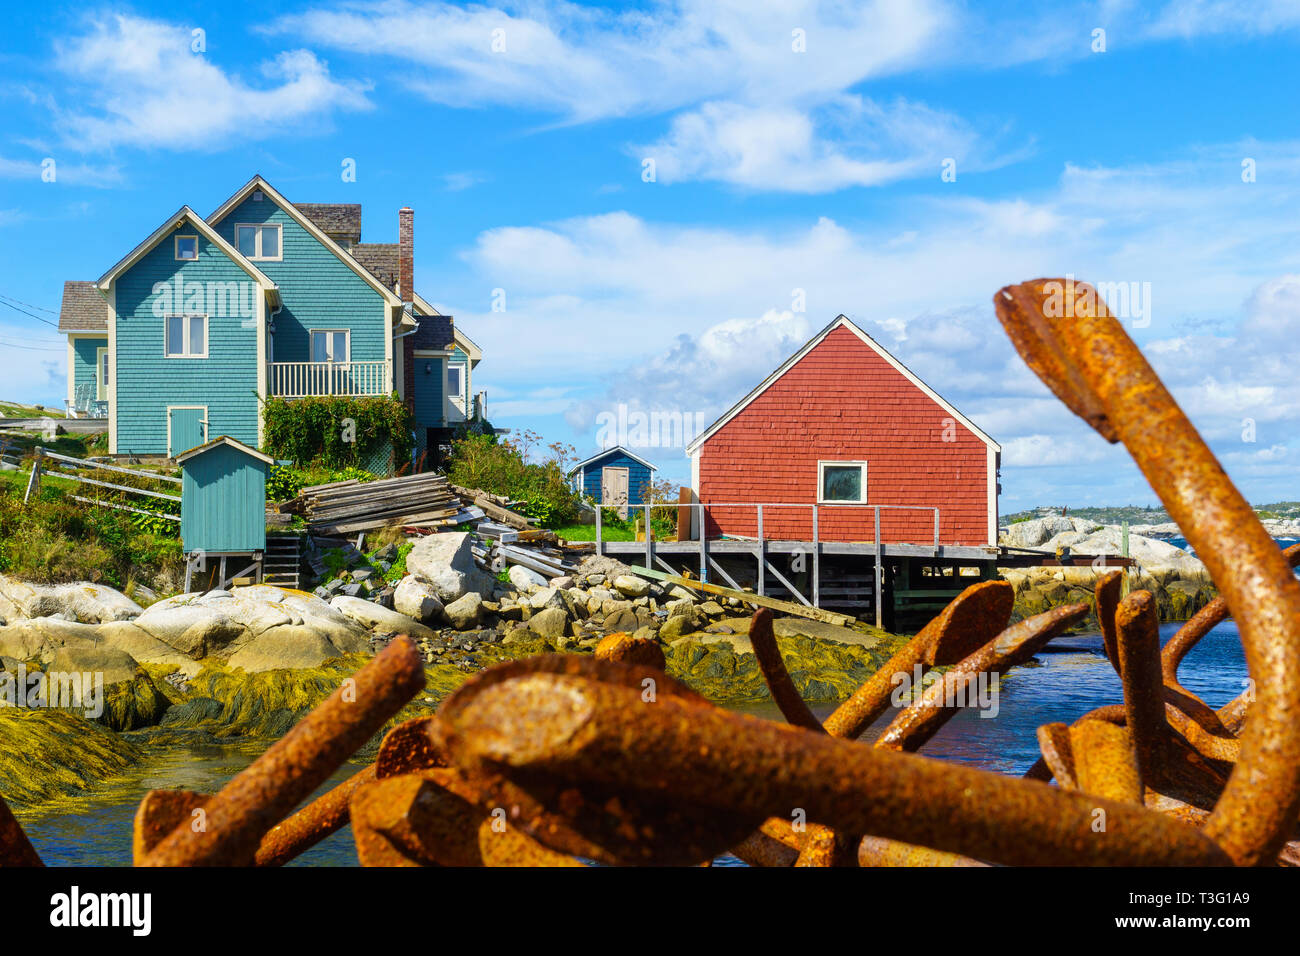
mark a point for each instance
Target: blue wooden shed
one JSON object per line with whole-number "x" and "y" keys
{"x": 223, "y": 498}
{"x": 614, "y": 477}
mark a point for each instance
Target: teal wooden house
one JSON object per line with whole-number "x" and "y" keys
{"x": 223, "y": 499}
{"x": 195, "y": 328}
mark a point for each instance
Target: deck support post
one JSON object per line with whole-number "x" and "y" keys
{"x": 879, "y": 597}
{"x": 704, "y": 548}
{"x": 816, "y": 563}
{"x": 599, "y": 549}
{"x": 649, "y": 547}
{"x": 761, "y": 550}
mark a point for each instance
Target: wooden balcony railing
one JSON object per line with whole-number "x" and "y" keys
{"x": 304, "y": 379}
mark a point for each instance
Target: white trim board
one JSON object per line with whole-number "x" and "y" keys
{"x": 840, "y": 321}
{"x": 223, "y": 440}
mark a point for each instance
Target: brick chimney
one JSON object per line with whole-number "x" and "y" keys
{"x": 406, "y": 251}
{"x": 406, "y": 276}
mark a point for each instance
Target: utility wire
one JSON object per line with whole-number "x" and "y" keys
{"x": 32, "y": 314}
{"x": 39, "y": 308}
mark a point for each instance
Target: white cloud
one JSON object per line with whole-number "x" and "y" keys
{"x": 762, "y": 87}
{"x": 692, "y": 317}
{"x": 141, "y": 84}
{"x": 785, "y": 148}
{"x": 1189, "y": 18}
{"x": 588, "y": 63}
{"x": 73, "y": 174}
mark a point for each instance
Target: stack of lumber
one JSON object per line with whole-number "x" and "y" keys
{"x": 548, "y": 561}
{"x": 346, "y": 507}
{"x": 494, "y": 506}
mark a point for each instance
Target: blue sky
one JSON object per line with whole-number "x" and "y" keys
{"x": 790, "y": 185}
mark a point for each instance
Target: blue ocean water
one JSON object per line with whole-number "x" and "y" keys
{"x": 1066, "y": 681}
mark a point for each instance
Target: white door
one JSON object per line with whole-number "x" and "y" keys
{"x": 613, "y": 489}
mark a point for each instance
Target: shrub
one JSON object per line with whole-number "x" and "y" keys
{"x": 316, "y": 430}
{"x": 53, "y": 540}
{"x": 503, "y": 468}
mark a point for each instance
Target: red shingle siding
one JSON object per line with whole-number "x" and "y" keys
{"x": 843, "y": 402}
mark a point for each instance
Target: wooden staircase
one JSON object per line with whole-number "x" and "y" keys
{"x": 282, "y": 562}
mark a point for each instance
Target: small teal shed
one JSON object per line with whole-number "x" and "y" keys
{"x": 614, "y": 476}
{"x": 223, "y": 498}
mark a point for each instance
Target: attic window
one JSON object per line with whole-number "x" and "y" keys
{"x": 259, "y": 241}
{"x": 842, "y": 482}
{"x": 187, "y": 247}
{"x": 257, "y": 195}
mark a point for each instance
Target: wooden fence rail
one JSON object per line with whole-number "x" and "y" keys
{"x": 64, "y": 463}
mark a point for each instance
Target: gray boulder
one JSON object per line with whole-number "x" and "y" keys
{"x": 284, "y": 648}
{"x": 549, "y": 623}
{"x": 85, "y": 602}
{"x": 418, "y": 600}
{"x": 525, "y": 579}
{"x": 630, "y": 585}
{"x": 446, "y": 561}
{"x": 375, "y": 617}
{"x": 546, "y": 597}
{"x": 463, "y": 613}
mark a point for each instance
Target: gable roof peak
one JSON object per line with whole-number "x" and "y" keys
{"x": 840, "y": 321}
{"x": 258, "y": 182}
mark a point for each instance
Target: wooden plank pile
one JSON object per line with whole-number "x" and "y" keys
{"x": 493, "y": 506}
{"x": 346, "y": 507}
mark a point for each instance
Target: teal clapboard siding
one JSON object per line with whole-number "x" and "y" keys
{"x": 318, "y": 289}
{"x": 638, "y": 476}
{"x": 223, "y": 501}
{"x": 147, "y": 381}
{"x": 428, "y": 391}
{"x": 83, "y": 362}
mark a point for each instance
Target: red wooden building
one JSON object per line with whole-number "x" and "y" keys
{"x": 845, "y": 425}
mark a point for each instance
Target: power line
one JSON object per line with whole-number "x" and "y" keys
{"x": 28, "y": 304}
{"x": 32, "y": 314}
{"x": 29, "y": 348}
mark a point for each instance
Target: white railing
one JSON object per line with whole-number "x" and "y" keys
{"x": 303, "y": 379}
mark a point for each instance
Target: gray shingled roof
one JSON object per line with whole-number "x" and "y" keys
{"x": 341, "y": 221}
{"x": 83, "y": 309}
{"x": 382, "y": 259}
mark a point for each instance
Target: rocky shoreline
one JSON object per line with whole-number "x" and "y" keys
{"x": 249, "y": 662}
{"x": 1177, "y": 580}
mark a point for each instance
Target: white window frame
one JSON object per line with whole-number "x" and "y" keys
{"x": 101, "y": 373}
{"x": 821, "y": 481}
{"x": 176, "y": 248}
{"x": 347, "y": 345}
{"x": 167, "y": 353}
{"x": 463, "y": 367}
{"x": 259, "y": 226}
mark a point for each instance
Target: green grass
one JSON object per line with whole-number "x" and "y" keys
{"x": 587, "y": 532}
{"x": 11, "y": 410}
